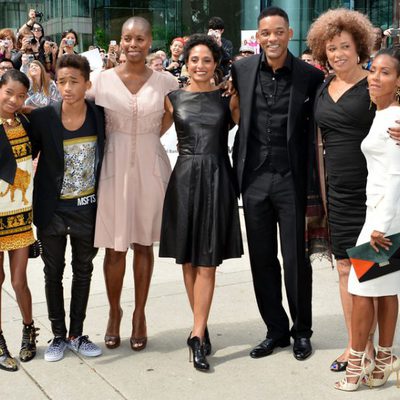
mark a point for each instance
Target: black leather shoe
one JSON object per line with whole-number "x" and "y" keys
{"x": 207, "y": 343}
{"x": 302, "y": 348}
{"x": 196, "y": 351}
{"x": 267, "y": 346}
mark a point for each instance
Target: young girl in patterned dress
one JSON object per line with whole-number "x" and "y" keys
{"x": 16, "y": 183}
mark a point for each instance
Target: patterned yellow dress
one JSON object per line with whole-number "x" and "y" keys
{"x": 16, "y": 200}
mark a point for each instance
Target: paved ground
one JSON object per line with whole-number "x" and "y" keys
{"x": 162, "y": 371}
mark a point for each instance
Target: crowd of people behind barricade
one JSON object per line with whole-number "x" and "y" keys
{"x": 102, "y": 177}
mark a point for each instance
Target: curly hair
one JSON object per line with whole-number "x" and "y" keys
{"x": 201, "y": 39}
{"x": 333, "y": 23}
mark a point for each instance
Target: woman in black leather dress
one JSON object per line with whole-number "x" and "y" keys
{"x": 200, "y": 226}
{"x": 344, "y": 113}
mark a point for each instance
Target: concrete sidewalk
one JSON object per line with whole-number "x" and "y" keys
{"x": 162, "y": 371}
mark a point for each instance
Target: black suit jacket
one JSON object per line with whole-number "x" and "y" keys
{"x": 300, "y": 127}
{"x": 47, "y": 137}
{"x": 8, "y": 163}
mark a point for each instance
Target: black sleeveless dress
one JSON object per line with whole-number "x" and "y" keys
{"x": 200, "y": 223}
{"x": 344, "y": 125}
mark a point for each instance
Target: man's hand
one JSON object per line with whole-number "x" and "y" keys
{"x": 229, "y": 89}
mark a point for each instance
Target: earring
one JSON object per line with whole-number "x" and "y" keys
{"x": 397, "y": 95}
{"x": 358, "y": 60}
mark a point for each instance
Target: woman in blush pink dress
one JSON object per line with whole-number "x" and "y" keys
{"x": 134, "y": 175}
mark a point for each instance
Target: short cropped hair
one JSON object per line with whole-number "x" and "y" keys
{"x": 137, "y": 20}
{"x": 333, "y": 23}
{"x": 75, "y": 61}
{"x": 273, "y": 12}
{"x": 8, "y": 60}
{"x": 216, "y": 23}
{"x": 15, "y": 75}
{"x": 178, "y": 39}
{"x": 202, "y": 39}
{"x": 151, "y": 57}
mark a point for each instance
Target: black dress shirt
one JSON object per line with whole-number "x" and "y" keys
{"x": 268, "y": 139}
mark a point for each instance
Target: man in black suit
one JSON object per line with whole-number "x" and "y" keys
{"x": 271, "y": 155}
{"x": 70, "y": 138}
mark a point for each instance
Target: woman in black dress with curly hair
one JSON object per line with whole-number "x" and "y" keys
{"x": 343, "y": 38}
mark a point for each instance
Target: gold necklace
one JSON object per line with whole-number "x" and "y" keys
{"x": 10, "y": 121}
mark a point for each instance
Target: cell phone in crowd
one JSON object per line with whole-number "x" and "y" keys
{"x": 31, "y": 39}
{"x": 214, "y": 33}
{"x": 393, "y": 32}
{"x": 113, "y": 42}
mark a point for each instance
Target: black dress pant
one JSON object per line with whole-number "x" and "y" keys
{"x": 79, "y": 225}
{"x": 269, "y": 199}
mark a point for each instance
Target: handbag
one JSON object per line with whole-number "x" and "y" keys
{"x": 368, "y": 264}
{"x": 35, "y": 249}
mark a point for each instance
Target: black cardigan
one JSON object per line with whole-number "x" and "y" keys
{"x": 8, "y": 164}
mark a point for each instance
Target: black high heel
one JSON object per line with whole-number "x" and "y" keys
{"x": 207, "y": 343}
{"x": 196, "y": 351}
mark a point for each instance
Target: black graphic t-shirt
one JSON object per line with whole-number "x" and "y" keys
{"x": 78, "y": 187}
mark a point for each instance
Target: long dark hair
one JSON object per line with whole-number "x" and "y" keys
{"x": 64, "y": 34}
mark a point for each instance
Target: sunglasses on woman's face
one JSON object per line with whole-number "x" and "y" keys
{"x": 37, "y": 29}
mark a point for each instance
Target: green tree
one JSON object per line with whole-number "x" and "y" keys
{"x": 100, "y": 38}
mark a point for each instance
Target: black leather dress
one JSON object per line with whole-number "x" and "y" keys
{"x": 200, "y": 222}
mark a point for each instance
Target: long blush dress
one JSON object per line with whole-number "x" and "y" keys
{"x": 136, "y": 168}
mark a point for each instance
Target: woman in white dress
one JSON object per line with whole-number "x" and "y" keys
{"x": 382, "y": 219}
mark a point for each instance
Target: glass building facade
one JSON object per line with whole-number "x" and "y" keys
{"x": 99, "y": 21}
